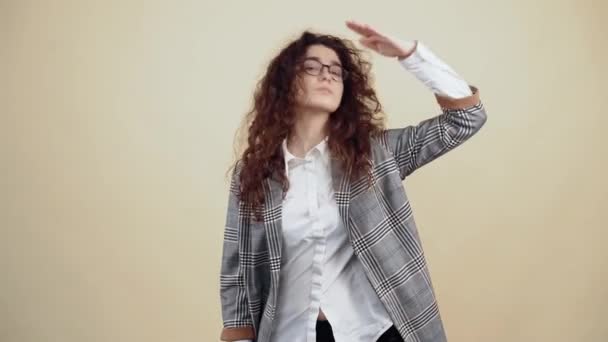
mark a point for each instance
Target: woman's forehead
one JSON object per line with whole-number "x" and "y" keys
{"x": 322, "y": 54}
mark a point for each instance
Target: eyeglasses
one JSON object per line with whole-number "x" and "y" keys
{"x": 314, "y": 68}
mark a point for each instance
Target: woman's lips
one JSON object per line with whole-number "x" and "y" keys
{"x": 324, "y": 90}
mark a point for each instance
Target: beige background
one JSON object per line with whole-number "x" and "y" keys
{"x": 117, "y": 128}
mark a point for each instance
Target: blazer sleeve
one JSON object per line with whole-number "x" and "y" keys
{"x": 237, "y": 323}
{"x": 416, "y": 145}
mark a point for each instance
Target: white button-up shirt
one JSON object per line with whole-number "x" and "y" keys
{"x": 318, "y": 267}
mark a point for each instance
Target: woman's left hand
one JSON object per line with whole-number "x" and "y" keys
{"x": 382, "y": 43}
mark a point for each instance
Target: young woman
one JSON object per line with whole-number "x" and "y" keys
{"x": 320, "y": 243}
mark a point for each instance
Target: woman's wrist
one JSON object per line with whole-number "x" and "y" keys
{"x": 410, "y": 52}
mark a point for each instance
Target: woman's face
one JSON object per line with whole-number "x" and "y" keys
{"x": 321, "y": 87}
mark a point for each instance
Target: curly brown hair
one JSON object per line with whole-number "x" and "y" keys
{"x": 272, "y": 118}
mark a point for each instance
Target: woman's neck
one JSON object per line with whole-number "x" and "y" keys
{"x": 309, "y": 130}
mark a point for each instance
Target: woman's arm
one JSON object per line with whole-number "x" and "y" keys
{"x": 416, "y": 145}
{"x": 462, "y": 111}
{"x": 434, "y": 73}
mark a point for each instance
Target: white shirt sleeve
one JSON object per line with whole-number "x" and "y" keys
{"x": 435, "y": 73}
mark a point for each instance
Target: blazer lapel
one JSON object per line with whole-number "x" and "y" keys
{"x": 341, "y": 185}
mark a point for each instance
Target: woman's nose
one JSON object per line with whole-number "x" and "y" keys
{"x": 325, "y": 74}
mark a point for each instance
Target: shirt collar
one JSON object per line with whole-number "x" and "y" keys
{"x": 288, "y": 157}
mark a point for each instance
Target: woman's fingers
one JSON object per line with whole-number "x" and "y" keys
{"x": 372, "y": 42}
{"x": 367, "y": 45}
{"x": 372, "y": 39}
{"x": 362, "y": 29}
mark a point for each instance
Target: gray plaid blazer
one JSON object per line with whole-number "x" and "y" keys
{"x": 380, "y": 226}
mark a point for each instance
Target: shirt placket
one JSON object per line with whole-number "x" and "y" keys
{"x": 317, "y": 234}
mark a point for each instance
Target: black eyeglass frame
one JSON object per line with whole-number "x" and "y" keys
{"x": 344, "y": 76}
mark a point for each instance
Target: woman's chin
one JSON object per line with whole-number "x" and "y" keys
{"x": 324, "y": 106}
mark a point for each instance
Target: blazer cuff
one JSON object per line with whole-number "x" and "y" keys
{"x": 447, "y": 102}
{"x": 238, "y": 333}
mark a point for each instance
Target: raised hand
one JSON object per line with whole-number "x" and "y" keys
{"x": 381, "y": 43}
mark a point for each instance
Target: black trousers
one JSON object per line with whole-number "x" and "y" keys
{"x": 325, "y": 334}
